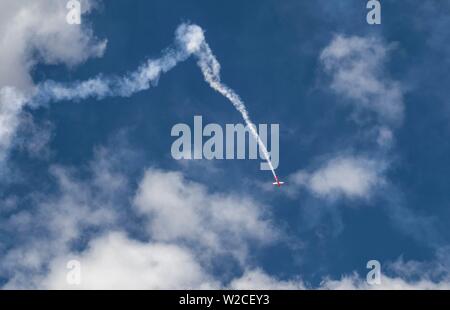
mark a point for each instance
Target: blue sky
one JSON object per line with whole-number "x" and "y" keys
{"x": 363, "y": 117}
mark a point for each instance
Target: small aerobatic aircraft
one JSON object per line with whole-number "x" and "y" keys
{"x": 278, "y": 183}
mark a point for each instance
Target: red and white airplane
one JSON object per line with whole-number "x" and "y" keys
{"x": 278, "y": 183}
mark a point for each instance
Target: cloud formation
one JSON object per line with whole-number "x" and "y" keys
{"x": 182, "y": 210}
{"x": 356, "y": 70}
{"x": 348, "y": 176}
{"x": 176, "y": 215}
{"x": 11, "y": 104}
{"x": 34, "y": 32}
{"x": 185, "y": 229}
{"x": 356, "y": 66}
{"x": 257, "y": 279}
{"x": 354, "y": 282}
{"x": 115, "y": 261}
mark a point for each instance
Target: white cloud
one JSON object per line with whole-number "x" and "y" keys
{"x": 182, "y": 210}
{"x": 348, "y": 176}
{"x": 34, "y": 32}
{"x": 180, "y": 213}
{"x": 256, "y": 279}
{"x": 11, "y": 103}
{"x": 117, "y": 262}
{"x": 188, "y": 228}
{"x": 354, "y": 282}
{"x": 384, "y": 137}
{"x": 34, "y": 137}
{"x": 37, "y": 31}
{"x": 185, "y": 222}
{"x": 48, "y": 225}
{"x": 400, "y": 275}
{"x": 356, "y": 67}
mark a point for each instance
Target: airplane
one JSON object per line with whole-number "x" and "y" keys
{"x": 277, "y": 182}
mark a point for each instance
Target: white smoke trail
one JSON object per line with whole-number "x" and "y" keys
{"x": 100, "y": 87}
{"x": 189, "y": 41}
{"x": 211, "y": 71}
